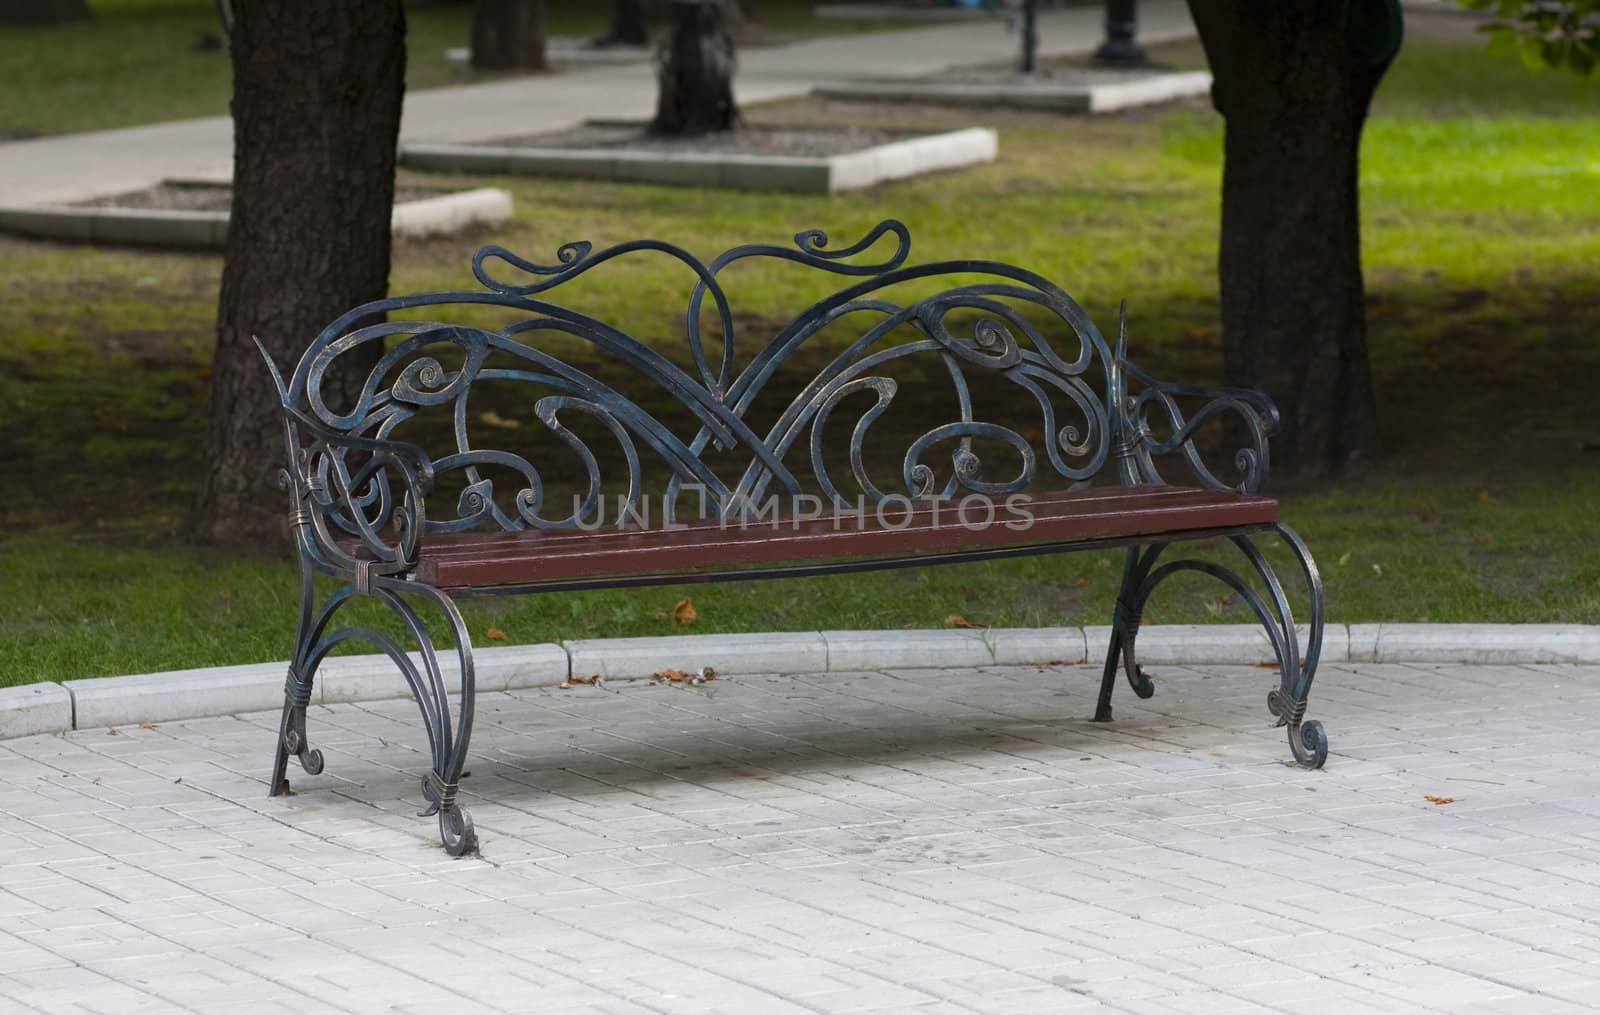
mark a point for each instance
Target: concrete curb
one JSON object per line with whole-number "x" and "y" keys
{"x": 1063, "y": 98}
{"x": 226, "y": 690}
{"x": 567, "y": 49}
{"x": 850, "y": 171}
{"x": 208, "y": 230}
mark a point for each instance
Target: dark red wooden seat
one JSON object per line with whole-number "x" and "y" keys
{"x": 1109, "y": 514}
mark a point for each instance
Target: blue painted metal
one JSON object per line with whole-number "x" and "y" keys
{"x": 359, "y": 490}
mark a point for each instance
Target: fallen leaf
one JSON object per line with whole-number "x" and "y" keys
{"x": 1080, "y": 583}
{"x": 1439, "y": 799}
{"x": 673, "y": 674}
{"x": 496, "y": 634}
{"x": 494, "y": 419}
{"x": 957, "y": 620}
{"x": 147, "y": 725}
{"x": 112, "y": 732}
{"x": 1485, "y": 497}
{"x": 684, "y": 612}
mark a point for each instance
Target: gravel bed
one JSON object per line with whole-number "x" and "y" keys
{"x": 800, "y": 141}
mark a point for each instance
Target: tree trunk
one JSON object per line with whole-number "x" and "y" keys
{"x": 695, "y": 71}
{"x": 508, "y": 35}
{"x": 1294, "y": 92}
{"x": 43, "y": 12}
{"x": 1030, "y": 36}
{"x": 630, "y": 25}
{"x": 316, "y": 111}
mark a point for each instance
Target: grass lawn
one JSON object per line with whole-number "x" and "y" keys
{"x": 1482, "y": 237}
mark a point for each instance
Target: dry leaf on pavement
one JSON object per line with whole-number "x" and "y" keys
{"x": 676, "y": 676}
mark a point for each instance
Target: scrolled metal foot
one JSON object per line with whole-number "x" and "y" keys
{"x": 295, "y": 743}
{"x": 456, "y": 831}
{"x": 1275, "y": 706}
{"x": 1142, "y": 685}
{"x": 1309, "y": 744}
{"x": 1307, "y": 739}
{"x": 455, "y": 824}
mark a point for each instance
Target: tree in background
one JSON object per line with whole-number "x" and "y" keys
{"x": 1546, "y": 33}
{"x": 508, "y": 35}
{"x": 630, "y": 24}
{"x": 1029, "y": 17}
{"x": 317, "y": 87}
{"x": 695, "y": 71}
{"x": 1293, "y": 81}
{"x": 43, "y": 12}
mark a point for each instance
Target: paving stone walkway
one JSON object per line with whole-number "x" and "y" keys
{"x": 71, "y": 167}
{"x": 920, "y": 841}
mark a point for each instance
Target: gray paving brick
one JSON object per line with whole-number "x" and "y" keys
{"x": 928, "y": 841}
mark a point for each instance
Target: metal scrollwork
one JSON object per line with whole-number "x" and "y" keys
{"x": 432, "y": 365}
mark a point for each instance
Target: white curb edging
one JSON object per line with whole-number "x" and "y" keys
{"x": 33, "y": 709}
{"x": 891, "y": 161}
{"x": 1105, "y": 97}
{"x": 1474, "y": 643}
{"x": 633, "y": 658}
{"x": 208, "y": 230}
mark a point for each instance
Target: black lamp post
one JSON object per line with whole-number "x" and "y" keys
{"x": 1122, "y": 23}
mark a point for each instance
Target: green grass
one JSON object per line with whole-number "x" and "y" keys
{"x": 1481, "y": 230}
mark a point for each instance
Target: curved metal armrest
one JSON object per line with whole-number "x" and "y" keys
{"x": 336, "y": 502}
{"x": 1253, "y": 416}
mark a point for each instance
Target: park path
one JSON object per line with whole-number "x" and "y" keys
{"x": 75, "y": 166}
{"x": 932, "y": 841}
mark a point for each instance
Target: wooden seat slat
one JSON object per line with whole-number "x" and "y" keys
{"x": 473, "y": 560}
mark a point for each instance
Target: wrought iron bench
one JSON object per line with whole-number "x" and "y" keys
{"x": 753, "y": 482}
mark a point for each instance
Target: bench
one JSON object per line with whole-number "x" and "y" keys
{"x": 695, "y": 458}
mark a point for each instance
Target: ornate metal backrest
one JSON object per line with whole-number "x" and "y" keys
{"x": 732, "y": 439}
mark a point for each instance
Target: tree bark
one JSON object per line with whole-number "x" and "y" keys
{"x": 1294, "y": 93}
{"x": 695, "y": 71}
{"x": 1030, "y": 36}
{"x": 316, "y": 111}
{"x": 43, "y": 12}
{"x": 508, "y": 35}
{"x": 630, "y": 25}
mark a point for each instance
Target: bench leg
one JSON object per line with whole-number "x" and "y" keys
{"x": 447, "y": 738}
{"x": 1307, "y": 740}
{"x": 1125, "y": 630}
{"x": 449, "y": 730}
{"x": 297, "y": 688}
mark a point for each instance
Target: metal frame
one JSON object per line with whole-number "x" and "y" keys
{"x": 358, "y": 492}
